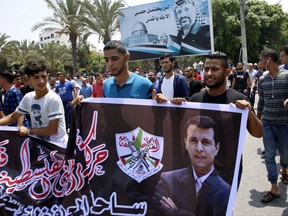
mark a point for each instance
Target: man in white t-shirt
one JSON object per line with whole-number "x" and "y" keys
{"x": 44, "y": 106}
{"x": 172, "y": 84}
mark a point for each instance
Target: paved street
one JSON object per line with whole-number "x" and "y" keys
{"x": 254, "y": 184}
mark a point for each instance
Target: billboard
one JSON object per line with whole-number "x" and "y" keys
{"x": 179, "y": 27}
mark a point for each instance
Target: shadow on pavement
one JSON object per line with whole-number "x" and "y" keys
{"x": 281, "y": 202}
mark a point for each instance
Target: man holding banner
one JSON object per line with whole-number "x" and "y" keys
{"x": 43, "y": 105}
{"x": 123, "y": 84}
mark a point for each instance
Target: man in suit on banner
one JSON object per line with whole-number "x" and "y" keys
{"x": 197, "y": 190}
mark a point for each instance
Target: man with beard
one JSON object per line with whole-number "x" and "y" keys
{"x": 123, "y": 84}
{"x": 172, "y": 85}
{"x": 215, "y": 72}
{"x": 194, "y": 84}
{"x": 192, "y": 33}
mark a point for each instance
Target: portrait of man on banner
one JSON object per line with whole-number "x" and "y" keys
{"x": 197, "y": 189}
{"x": 178, "y": 27}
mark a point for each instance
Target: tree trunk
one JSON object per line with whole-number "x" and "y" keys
{"x": 106, "y": 39}
{"x": 73, "y": 39}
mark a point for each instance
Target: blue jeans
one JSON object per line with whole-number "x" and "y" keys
{"x": 275, "y": 137}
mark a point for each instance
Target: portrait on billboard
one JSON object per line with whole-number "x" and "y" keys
{"x": 179, "y": 27}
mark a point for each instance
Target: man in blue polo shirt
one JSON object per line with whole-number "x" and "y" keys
{"x": 123, "y": 84}
{"x": 67, "y": 91}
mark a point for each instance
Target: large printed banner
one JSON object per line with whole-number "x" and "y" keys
{"x": 123, "y": 156}
{"x": 179, "y": 27}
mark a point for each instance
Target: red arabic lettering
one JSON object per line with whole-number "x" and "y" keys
{"x": 45, "y": 185}
{"x": 3, "y": 155}
{"x": 123, "y": 141}
{"x": 154, "y": 144}
{"x": 59, "y": 177}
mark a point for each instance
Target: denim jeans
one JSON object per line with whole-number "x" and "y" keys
{"x": 275, "y": 137}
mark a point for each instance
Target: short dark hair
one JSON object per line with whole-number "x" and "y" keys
{"x": 154, "y": 72}
{"x": 284, "y": 49}
{"x": 270, "y": 53}
{"x": 118, "y": 45}
{"x": 167, "y": 55}
{"x": 221, "y": 56}
{"x": 204, "y": 122}
{"x": 8, "y": 76}
{"x": 34, "y": 67}
{"x": 59, "y": 73}
{"x": 98, "y": 74}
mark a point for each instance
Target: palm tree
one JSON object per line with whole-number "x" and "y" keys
{"x": 102, "y": 17}
{"x": 20, "y": 53}
{"x": 5, "y": 45}
{"x": 65, "y": 20}
{"x": 55, "y": 55}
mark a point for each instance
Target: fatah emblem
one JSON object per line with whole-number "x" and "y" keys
{"x": 140, "y": 153}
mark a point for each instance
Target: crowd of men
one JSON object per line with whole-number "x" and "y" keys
{"x": 41, "y": 106}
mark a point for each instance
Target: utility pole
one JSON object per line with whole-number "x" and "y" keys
{"x": 243, "y": 34}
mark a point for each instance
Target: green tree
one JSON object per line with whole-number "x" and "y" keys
{"x": 84, "y": 52}
{"x": 66, "y": 19}
{"x": 5, "y": 45}
{"x": 266, "y": 27}
{"x": 226, "y": 25}
{"x": 97, "y": 63}
{"x": 20, "y": 53}
{"x": 102, "y": 18}
{"x": 55, "y": 56}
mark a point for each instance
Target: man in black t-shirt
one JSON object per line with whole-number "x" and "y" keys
{"x": 241, "y": 79}
{"x": 195, "y": 85}
{"x": 215, "y": 73}
{"x": 230, "y": 77}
